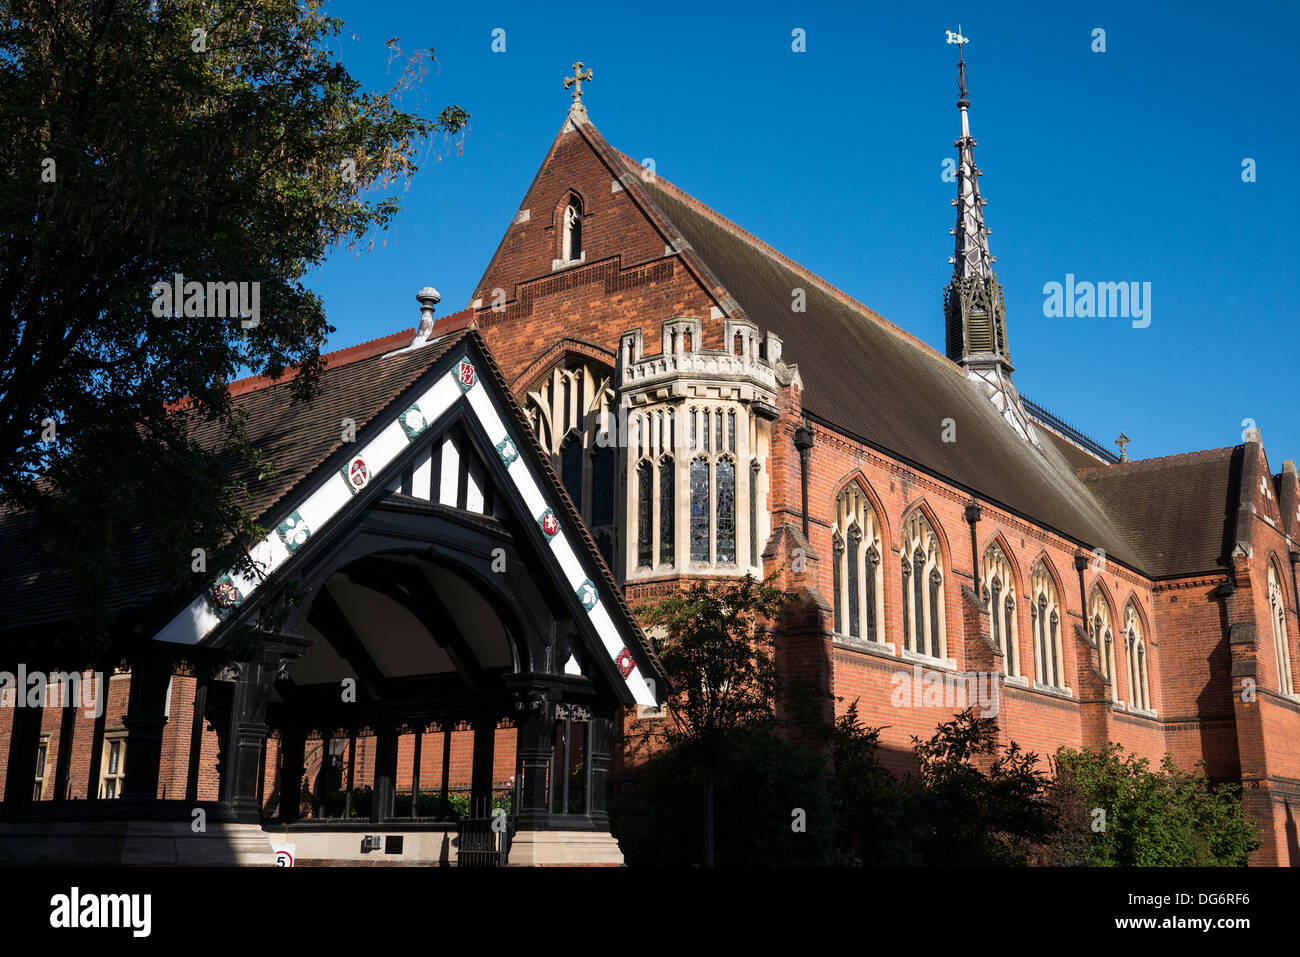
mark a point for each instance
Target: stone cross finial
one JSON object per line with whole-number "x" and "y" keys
{"x": 1123, "y": 442}
{"x": 575, "y": 81}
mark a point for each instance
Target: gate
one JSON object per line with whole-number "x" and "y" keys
{"x": 480, "y": 844}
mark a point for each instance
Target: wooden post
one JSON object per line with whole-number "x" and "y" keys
{"x": 145, "y": 719}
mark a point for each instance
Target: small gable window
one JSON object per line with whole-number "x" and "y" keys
{"x": 571, "y": 239}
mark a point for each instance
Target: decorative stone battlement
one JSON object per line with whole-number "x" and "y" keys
{"x": 748, "y": 368}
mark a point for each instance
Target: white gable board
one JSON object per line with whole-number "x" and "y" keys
{"x": 202, "y": 616}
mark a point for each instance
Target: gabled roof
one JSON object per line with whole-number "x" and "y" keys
{"x": 1179, "y": 509}
{"x": 358, "y": 383}
{"x": 373, "y": 385}
{"x": 867, "y": 378}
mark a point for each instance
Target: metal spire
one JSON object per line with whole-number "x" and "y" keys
{"x": 971, "y": 256}
{"x": 973, "y": 307}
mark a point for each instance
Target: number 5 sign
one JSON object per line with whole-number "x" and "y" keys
{"x": 283, "y": 854}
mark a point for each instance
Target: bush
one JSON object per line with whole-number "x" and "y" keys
{"x": 972, "y": 802}
{"x": 1131, "y": 816}
{"x": 869, "y": 803}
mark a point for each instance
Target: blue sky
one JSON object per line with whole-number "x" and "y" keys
{"x": 1117, "y": 166}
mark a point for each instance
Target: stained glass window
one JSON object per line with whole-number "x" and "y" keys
{"x": 667, "y": 512}
{"x": 645, "y": 481}
{"x": 699, "y": 510}
{"x": 726, "y": 472}
{"x": 753, "y": 512}
{"x": 708, "y": 419}
{"x": 731, "y": 431}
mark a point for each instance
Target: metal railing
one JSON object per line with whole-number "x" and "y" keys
{"x": 483, "y": 841}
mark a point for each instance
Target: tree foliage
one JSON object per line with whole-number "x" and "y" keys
{"x": 222, "y": 142}
{"x": 720, "y": 664}
{"x": 1163, "y": 817}
{"x": 969, "y": 800}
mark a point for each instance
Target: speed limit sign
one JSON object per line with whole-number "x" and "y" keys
{"x": 283, "y": 855}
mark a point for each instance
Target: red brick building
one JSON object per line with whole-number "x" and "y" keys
{"x": 1150, "y": 603}
{"x": 714, "y": 409}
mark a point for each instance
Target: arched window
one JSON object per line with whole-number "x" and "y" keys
{"x": 712, "y": 483}
{"x": 705, "y": 508}
{"x": 1000, "y": 596}
{"x": 644, "y": 505}
{"x": 726, "y": 509}
{"x": 1045, "y": 609}
{"x": 1281, "y": 646}
{"x": 667, "y": 511}
{"x": 572, "y": 410}
{"x": 1135, "y": 653}
{"x": 700, "y": 509}
{"x": 1102, "y": 633}
{"x": 923, "y": 602}
{"x": 571, "y": 238}
{"x": 857, "y": 573}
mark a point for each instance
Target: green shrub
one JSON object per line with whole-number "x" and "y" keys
{"x": 1132, "y": 816}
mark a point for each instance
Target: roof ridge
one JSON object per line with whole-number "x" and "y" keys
{"x": 451, "y": 322}
{"x": 1102, "y": 469}
{"x": 771, "y": 251}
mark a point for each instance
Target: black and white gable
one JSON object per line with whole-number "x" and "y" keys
{"x": 452, "y": 448}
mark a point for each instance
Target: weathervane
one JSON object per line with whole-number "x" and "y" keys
{"x": 961, "y": 42}
{"x": 575, "y": 81}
